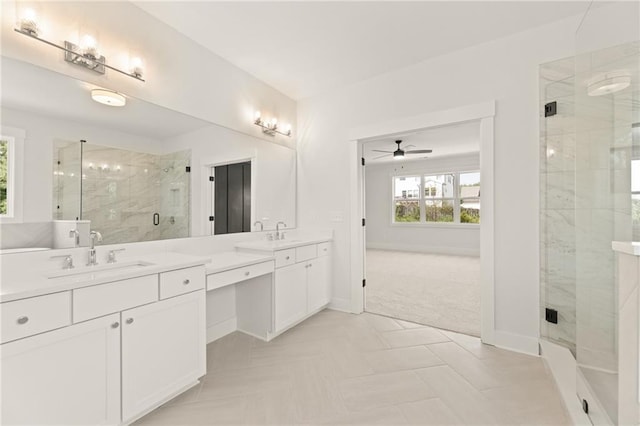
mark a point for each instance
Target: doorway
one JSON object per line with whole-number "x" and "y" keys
{"x": 482, "y": 112}
{"x": 422, "y": 234}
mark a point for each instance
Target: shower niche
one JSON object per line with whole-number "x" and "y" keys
{"x": 127, "y": 196}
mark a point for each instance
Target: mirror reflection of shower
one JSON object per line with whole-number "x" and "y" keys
{"x": 128, "y": 196}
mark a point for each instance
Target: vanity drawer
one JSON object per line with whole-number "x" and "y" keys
{"x": 231, "y": 276}
{"x": 306, "y": 252}
{"x": 103, "y": 299}
{"x": 35, "y": 315}
{"x": 181, "y": 281}
{"x": 324, "y": 249}
{"x": 285, "y": 257}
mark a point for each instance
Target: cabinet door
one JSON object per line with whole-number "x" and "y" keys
{"x": 163, "y": 351}
{"x": 319, "y": 283}
{"x": 70, "y": 376}
{"x": 290, "y": 295}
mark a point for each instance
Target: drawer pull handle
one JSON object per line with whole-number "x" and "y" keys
{"x": 185, "y": 282}
{"x": 129, "y": 320}
{"x": 23, "y": 320}
{"x": 115, "y": 325}
{"x": 246, "y": 274}
{"x": 288, "y": 257}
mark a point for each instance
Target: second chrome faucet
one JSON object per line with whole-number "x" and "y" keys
{"x": 93, "y": 237}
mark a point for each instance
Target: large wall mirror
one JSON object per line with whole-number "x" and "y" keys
{"x": 139, "y": 172}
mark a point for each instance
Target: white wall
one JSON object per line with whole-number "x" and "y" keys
{"x": 180, "y": 74}
{"x": 505, "y": 70}
{"x": 429, "y": 238}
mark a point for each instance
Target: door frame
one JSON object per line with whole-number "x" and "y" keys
{"x": 485, "y": 114}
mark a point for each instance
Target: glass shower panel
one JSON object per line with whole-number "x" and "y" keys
{"x": 67, "y": 182}
{"x": 174, "y": 195}
{"x": 605, "y": 114}
{"x": 557, "y": 203}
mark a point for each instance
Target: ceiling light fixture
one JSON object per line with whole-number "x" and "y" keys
{"x": 607, "y": 83}
{"x": 85, "y": 55}
{"x": 108, "y": 97}
{"x": 270, "y": 127}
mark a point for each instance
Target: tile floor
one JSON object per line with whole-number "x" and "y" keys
{"x": 435, "y": 289}
{"x": 338, "y": 368}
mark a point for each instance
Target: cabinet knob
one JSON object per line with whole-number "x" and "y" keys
{"x": 185, "y": 282}
{"x": 246, "y": 274}
{"x": 288, "y": 257}
{"x": 115, "y": 325}
{"x": 23, "y": 320}
{"x": 129, "y": 320}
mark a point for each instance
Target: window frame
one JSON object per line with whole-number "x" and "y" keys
{"x": 15, "y": 174}
{"x": 422, "y": 199}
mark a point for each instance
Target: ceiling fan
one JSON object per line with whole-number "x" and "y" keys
{"x": 399, "y": 153}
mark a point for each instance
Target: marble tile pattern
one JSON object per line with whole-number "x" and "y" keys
{"x": 122, "y": 190}
{"x": 33, "y": 234}
{"x": 448, "y": 299}
{"x": 339, "y": 368}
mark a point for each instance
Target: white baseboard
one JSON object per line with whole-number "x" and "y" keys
{"x": 563, "y": 368}
{"x": 221, "y": 329}
{"x": 419, "y": 248}
{"x": 516, "y": 342}
{"x": 342, "y": 305}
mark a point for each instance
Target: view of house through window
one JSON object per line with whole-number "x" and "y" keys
{"x": 448, "y": 197}
{"x": 4, "y": 174}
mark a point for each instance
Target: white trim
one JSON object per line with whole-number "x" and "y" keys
{"x": 221, "y": 329}
{"x": 563, "y": 369}
{"x": 451, "y": 225}
{"x": 516, "y": 342}
{"x": 484, "y": 112}
{"x": 15, "y": 171}
{"x": 421, "y": 248}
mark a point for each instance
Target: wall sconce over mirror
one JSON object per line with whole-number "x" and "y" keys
{"x": 271, "y": 127}
{"x": 84, "y": 54}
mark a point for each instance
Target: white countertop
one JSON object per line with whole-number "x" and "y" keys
{"x": 271, "y": 246}
{"x": 628, "y": 247}
{"x": 32, "y": 283}
{"x": 231, "y": 260}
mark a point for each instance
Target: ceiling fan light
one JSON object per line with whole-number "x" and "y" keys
{"x": 398, "y": 154}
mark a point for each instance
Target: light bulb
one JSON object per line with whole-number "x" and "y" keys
{"x": 257, "y": 117}
{"x": 29, "y": 22}
{"x": 287, "y": 129}
{"x": 89, "y": 47}
{"x": 136, "y": 67}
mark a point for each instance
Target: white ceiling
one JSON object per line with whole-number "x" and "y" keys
{"x": 445, "y": 141}
{"x": 30, "y": 88}
{"x": 305, "y": 48}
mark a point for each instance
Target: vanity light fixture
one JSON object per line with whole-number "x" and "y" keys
{"x": 270, "y": 127}
{"x": 610, "y": 82}
{"x": 107, "y": 97}
{"x": 85, "y": 55}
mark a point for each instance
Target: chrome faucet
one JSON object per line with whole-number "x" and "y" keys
{"x": 93, "y": 236}
{"x": 75, "y": 234}
{"x": 280, "y": 236}
{"x": 261, "y": 225}
{"x": 68, "y": 260}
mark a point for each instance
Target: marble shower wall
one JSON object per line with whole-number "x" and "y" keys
{"x": 122, "y": 190}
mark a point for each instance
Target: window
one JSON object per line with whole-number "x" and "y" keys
{"x": 442, "y": 198}
{"x": 11, "y": 151}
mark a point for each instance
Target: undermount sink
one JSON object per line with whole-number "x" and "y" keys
{"x": 100, "y": 271}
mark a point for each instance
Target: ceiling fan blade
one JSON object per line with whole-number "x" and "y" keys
{"x": 375, "y": 158}
{"x": 419, "y": 151}
{"x": 378, "y": 150}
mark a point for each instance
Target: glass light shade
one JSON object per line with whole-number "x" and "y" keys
{"x": 107, "y": 97}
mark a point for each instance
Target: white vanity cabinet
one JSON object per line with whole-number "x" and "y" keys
{"x": 69, "y": 376}
{"x": 302, "y": 279}
{"x": 104, "y": 363}
{"x": 163, "y": 351}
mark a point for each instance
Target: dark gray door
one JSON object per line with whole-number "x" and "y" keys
{"x": 232, "y": 198}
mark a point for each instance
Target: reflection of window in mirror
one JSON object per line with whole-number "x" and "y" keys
{"x": 231, "y": 198}
{"x": 11, "y": 158}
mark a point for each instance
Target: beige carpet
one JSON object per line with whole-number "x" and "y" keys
{"x": 442, "y": 291}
